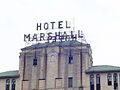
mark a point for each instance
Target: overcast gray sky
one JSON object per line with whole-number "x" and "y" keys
{"x": 99, "y": 20}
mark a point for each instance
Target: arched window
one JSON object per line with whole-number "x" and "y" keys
{"x": 97, "y": 81}
{"x": 91, "y": 82}
{"x": 115, "y": 79}
{"x": 119, "y": 78}
{"x": 70, "y": 82}
{"x": 8, "y": 84}
{"x": 13, "y": 84}
{"x": 109, "y": 79}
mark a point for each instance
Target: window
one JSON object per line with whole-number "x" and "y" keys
{"x": 35, "y": 61}
{"x": 41, "y": 84}
{"x": 109, "y": 79}
{"x": 70, "y": 61}
{"x": 115, "y": 79}
{"x": 81, "y": 88}
{"x": 70, "y": 82}
{"x": 8, "y": 84}
{"x": 58, "y": 82}
{"x": 119, "y": 78}
{"x": 97, "y": 82}
{"x": 13, "y": 84}
{"x": 91, "y": 82}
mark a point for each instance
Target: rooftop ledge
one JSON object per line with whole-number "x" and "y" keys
{"x": 54, "y": 44}
{"x": 103, "y": 69}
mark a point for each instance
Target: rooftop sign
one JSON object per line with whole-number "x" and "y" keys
{"x": 52, "y": 32}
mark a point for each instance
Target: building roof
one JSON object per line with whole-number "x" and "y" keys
{"x": 103, "y": 69}
{"x": 10, "y": 74}
{"x": 54, "y": 44}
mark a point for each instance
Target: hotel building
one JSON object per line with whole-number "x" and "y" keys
{"x": 66, "y": 65}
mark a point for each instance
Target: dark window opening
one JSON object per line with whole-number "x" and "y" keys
{"x": 97, "y": 82}
{"x": 13, "y": 84}
{"x": 35, "y": 61}
{"x": 92, "y": 82}
{"x": 70, "y": 82}
{"x": 115, "y": 79}
{"x": 8, "y": 84}
{"x": 109, "y": 79}
{"x": 70, "y": 59}
{"x": 81, "y": 88}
